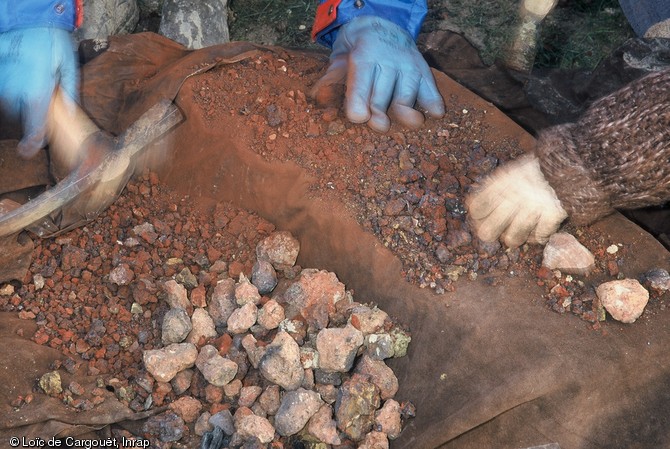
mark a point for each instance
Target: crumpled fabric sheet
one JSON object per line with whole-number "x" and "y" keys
{"x": 488, "y": 366}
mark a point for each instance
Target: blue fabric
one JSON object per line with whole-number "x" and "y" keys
{"x": 16, "y": 14}
{"x": 33, "y": 61}
{"x": 408, "y": 14}
{"x": 642, "y": 14}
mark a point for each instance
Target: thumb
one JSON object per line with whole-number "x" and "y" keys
{"x": 34, "y": 115}
{"x": 329, "y": 89}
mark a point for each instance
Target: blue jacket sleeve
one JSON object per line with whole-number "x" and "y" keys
{"x": 408, "y": 14}
{"x": 642, "y": 14}
{"x": 15, "y": 14}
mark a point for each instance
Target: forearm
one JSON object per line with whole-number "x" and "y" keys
{"x": 616, "y": 156}
{"x": 331, "y": 14}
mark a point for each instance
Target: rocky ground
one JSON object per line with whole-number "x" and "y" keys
{"x": 205, "y": 311}
{"x": 208, "y": 313}
{"x": 171, "y": 305}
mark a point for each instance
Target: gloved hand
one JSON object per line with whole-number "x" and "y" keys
{"x": 33, "y": 62}
{"x": 384, "y": 72}
{"x": 517, "y": 204}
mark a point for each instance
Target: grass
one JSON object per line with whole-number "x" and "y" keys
{"x": 582, "y": 35}
{"x": 487, "y": 24}
{"x": 278, "y": 22}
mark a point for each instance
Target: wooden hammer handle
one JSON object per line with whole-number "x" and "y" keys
{"x": 68, "y": 127}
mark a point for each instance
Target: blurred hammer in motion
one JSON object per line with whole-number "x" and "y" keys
{"x": 92, "y": 167}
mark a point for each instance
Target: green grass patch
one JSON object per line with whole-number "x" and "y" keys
{"x": 276, "y": 22}
{"x": 582, "y": 34}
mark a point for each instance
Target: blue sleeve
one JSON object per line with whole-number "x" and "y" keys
{"x": 642, "y": 14}
{"x": 15, "y": 14}
{"x": 408, "y": 14}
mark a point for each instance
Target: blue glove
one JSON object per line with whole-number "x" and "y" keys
{"x": 33, "y": 61}
{"x": 384, "y": 72}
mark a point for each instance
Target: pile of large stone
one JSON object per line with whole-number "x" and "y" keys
{"x": 192, "y": 23}
{"x": 278, "y": 356}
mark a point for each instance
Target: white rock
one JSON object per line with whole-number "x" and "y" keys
{"x": 195, "y": 24}
{"x": 370, "y": 320}
{"x": 380, "y": 375}
{"x": 375, "y": 440}
{"x": 323, "y": 426}
{"x": 176, "y": 326}
{"x": 254, "y": 352}
{"x": 625, "y": 299}
{"x": 202, "y": 425}
{"x": 280, "y": 249}
{"x": 250, "y": 425}
{"x": 203, "y": 326}
{"x": 388, "y": 419}
{"x": 104, "y": 18}
{"x": 222, "y": 303}
{"x": 163, "y": 364}
{"x": 563, "y": 252}
{"x": 246, "y": 292}
{"x": 281, "y": 362}
{"x": 337, "y": 348}
{"x": 217, "y": 370}
{"x": 296, "y": 409}
{"x": 177, "y": 296}
{"x": 243, "y": 318}
{"x": 271, "y": 314}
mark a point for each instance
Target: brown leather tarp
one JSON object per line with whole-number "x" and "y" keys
{"x": 488, "y": 366}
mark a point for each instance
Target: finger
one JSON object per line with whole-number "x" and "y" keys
{"x": 496, "y": 222}
{"x": 406, "y": 115}
{"x": 360, "y": 82}
{"x": 404, "y": 97}
{"x": 547, "y": 225}
{"x": 329, "y": 89}
{"x": 522, "y": 225}
{"x": 34, "y": 109}
{"x": 481, "y": 203}
{"x": 382, "y": 93}
{"x": 429, "y": 98}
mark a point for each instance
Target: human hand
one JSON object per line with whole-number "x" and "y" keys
{"x": 384, "y": 72}
{"x": 33, "y": 61}
{"x": 516, "y": 204}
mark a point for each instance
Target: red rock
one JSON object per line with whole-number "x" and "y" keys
{"x": 235, "y": 268}
{"x": 40, "y": 338}
{"x": 198, "y": 296}
{"x": 218, "y": 407}
{"x": 25, "y": 315}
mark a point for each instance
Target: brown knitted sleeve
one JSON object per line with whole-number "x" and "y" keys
{"x": 616, "y": 156}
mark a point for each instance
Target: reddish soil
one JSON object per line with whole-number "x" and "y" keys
{"x": 92, "y": 319}
{"x": 405, "y": 187}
